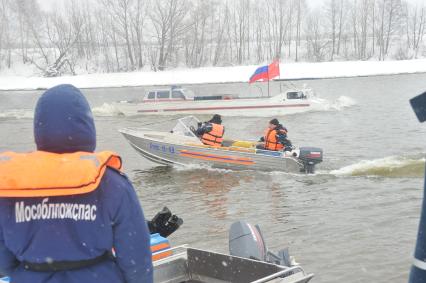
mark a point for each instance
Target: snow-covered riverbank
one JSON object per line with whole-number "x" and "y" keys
{"x": 289, "y": 71}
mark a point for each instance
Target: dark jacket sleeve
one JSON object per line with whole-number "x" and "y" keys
{"x": 282, "y": 137}
{"x": 8, "y": 261}
{"x": 205, "y": 128}
{"x": 132, "y": 239}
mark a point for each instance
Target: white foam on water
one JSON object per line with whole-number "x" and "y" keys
{"x": 391, "y": 166}
{"x": 106, "y": 110}
{"x": 341, "y": 103}
{"x": 17, "y": 114}
{"x": 103, "y": 110}
{"x": 192, "y": 167}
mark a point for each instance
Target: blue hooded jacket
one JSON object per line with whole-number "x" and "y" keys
{"x": 63, "y": 123}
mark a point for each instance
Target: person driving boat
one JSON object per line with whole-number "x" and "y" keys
{"x": 211, "y": 132}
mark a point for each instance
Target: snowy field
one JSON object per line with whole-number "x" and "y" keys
{"x": 289, "y": 71}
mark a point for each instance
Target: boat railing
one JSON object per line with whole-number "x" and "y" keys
{"x": 178, "y": 252}
{"x": 286, "y": 272}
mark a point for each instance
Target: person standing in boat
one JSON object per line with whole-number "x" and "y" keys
{"x": 64, "y": 207}
{"x": 275, "y": 137}
{"x": 211, "y": 132}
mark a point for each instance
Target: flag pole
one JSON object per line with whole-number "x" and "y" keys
{"x": 268, "y": 88}
{"x": 268, "y": 83}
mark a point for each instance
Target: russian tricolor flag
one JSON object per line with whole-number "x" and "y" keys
{"x": 266, "y": 73}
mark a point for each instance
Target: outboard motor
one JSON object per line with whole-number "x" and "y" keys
{"x": 246, "y": 240}
{"x": 418, "y": 270}
{"x": 310, "y": 156}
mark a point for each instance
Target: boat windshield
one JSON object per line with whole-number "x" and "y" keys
{"x": 183, "y": 126}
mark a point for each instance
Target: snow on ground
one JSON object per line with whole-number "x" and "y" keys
{"x": 218, "y": 74}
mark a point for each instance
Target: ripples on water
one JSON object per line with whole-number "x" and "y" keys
{"x": 353, "y": 221}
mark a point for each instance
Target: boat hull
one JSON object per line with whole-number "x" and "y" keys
{"x": 167, "y": 153}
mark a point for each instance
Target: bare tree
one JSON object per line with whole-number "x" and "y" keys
{"x": 316, "y": 43}
{"x": 389, "y": 24}
{"x": 333, "y": 23}
{"x": 196, "y": 38}
{"x": 168, "y": 18}
{"x": 125, "y": 35}
{"x": 138, "y": 24}
{"x": 221, "y": 27}
{"x": 415, "y": 18}
{"x": 121, "y": 21}
{"x": 278, "y": 24}
{"x": 341, "y": 24}
{"x": 63, "y": 35}
{"x": 3, "y": 28}
{"x": 298, "y": 26}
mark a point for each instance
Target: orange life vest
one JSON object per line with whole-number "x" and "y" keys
{"x": 271, "y": 142}
{"x": 215, "y": 136}
{"x": 45, "y": 174}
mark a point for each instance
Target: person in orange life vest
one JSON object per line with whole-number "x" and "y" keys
{"x": 275, "y": 137}
{"x": 211, "y": 132}
{"x": 64, "y": 207}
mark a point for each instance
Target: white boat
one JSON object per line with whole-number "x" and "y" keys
{"x": 176, "y": 100}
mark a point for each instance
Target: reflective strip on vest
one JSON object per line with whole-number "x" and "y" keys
{"x": 215, "y": 136}
{"x": 271, "y": 142}
{"x": 45, "y": 174}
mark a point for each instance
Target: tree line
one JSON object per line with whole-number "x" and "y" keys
{"x": 127, "y": 35}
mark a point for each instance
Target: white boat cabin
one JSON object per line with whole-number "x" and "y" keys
{"x": 171, "y": 94}
{"x": 181, "y": 94}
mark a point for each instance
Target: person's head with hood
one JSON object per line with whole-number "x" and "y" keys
{"x": 216, "y": 119}
{"x": 63, "y": 121}
{"x": 273, "y": 124}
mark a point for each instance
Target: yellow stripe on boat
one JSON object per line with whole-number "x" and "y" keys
{"x": 231, "y": 148}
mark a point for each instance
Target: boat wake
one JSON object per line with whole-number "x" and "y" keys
{"x": 106, "y": 110}
{"x": 17, "y": 114}
{"x": 201, "y": 167}
{"x": 392, "y": 166}
{"x": 341, "y": 103}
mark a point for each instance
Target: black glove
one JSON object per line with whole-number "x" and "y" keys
{"x": 164, "y": 223}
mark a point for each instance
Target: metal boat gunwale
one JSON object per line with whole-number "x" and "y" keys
{"x": 181, "y": 257}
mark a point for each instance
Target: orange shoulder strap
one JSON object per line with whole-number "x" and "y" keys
{"x": 44, "y": 174}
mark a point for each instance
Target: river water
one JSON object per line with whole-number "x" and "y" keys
{"x": 353, "y": 221}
